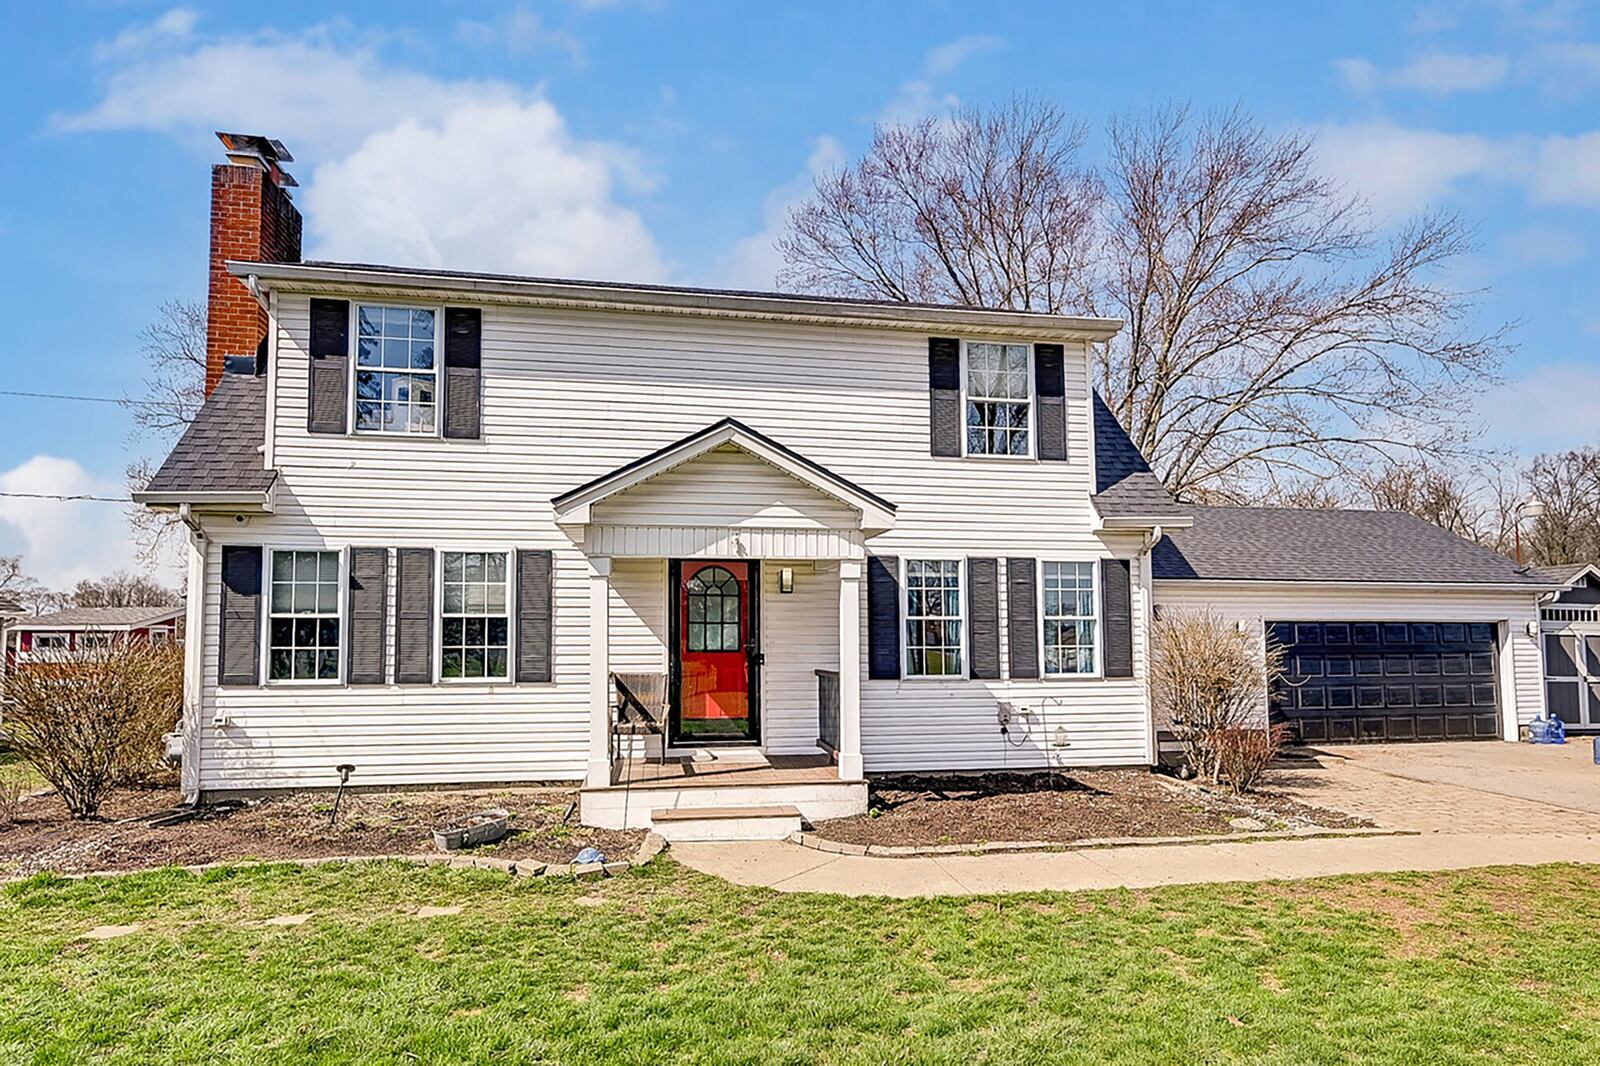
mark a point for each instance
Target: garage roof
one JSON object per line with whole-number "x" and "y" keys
{"x": 1284, "y": 544}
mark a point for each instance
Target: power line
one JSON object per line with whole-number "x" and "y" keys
{"x": 84, "y": 399}
{"x": 67, "y": 499}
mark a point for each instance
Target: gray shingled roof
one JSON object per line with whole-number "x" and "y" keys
{"x": 101, "y": 616}
{"x": 1283, "y": 544}
{"x": 221, "y": 449}
{"x": 1124, "y": 482}
{"x": 1560, "y": 575}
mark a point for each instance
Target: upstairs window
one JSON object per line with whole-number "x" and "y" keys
{"x": 999, "y": 399}
{"x": 475, "y": 627}
{"x": 303, "y": 627}
{"x": 397, "y": 378}
{"x": 1069, "y": 620}
{"x": 933, "y": 618}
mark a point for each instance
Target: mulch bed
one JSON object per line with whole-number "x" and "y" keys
{"x": 1083, "y": 804}
{"x": 291, "y": 826}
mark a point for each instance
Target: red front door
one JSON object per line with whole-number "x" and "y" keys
{"x": 715, "y": 641}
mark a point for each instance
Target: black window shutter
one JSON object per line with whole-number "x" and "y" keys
{"x": 1116, "y": 602}
{"x": 369, "y": 614}
{"x": 944, "y": 395}
{"x": 413, "y": 616}
{"x": 883, "y": 617}
{"x": 534, "y": 574}
{"x": 1022, "y": 616}
{"x": 239, "y": 632}
{"x": 983, "y": 616}
{"x": 463, "y": 373}
{"x": 1050, "y": 400}
{"x": 328, "y": 399}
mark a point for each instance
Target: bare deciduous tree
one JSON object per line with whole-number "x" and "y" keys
{"x": 990, "y": 209}
{"x": 1432, "y": 494}
{"x": 123, "y": 589}
{"x": 1273, "y": 331}
{"x": 1568, "y": 484}
{"x": 174, "y": 346}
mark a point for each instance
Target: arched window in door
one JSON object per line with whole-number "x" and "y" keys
{"x": 713, "y": 601}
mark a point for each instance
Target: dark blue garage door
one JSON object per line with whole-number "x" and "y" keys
{"x": 1387, "y": 680}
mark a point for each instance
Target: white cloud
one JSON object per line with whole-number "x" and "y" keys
{"x": 492, "y": 186}
{"x": 63, "y": 542}
{"x": 1400, "y": 170}
{"x": 1434, "y": 73}
{"x": 520, "y": 32}
{"x": 920, "y": 97}
{"x": 754, "y": 261}
{"x": 1555, "y": 406}
{"x": 1566, "y": 170}
{"x": 173, "y": 27}
{"x": 1540, "y": 245}
{"x": 477, "y": 174}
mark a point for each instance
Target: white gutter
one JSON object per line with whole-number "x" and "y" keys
{"x": 581, "y": 294}
{"x": 1463, "y": 586}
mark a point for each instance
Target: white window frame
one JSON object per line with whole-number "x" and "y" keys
{"x": 1032, "y": 404}
{"x": 352, "y": 357}
{"x": 95, "y": 639}
{"x": 438, "y": 616}
{"x": 267, "y": 679}
{"x": 1098, "y": 669}
{"x": 961, "y": 616}
{"x": 48, "y": 634}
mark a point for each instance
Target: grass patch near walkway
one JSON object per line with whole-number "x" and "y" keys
{"x": 665, "y": 964}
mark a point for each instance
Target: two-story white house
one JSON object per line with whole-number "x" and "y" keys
{"x": 433, "y": 515}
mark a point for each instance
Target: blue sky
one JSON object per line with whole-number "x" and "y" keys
{"x": 664, "y": 139}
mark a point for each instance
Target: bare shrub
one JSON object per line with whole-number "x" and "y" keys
{"x": 1243, "y": 754}
{"x": 92, "y": 720}
{"x": 11, "y": 789}
{"x": 1211, "y": 681}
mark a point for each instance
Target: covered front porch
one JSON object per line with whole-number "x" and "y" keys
{"x": 725, "y": 635}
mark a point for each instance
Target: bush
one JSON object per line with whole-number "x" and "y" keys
{"x": 1212, "y": 680}
{"x": 11, "y": 788}
{"x": 94, "y": 719}
{"x": 1243, "y": 754}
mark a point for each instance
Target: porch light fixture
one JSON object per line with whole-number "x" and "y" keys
{"x": 786, "y": 580}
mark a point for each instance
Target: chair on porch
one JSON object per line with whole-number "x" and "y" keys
{"x": 641, "y": 707}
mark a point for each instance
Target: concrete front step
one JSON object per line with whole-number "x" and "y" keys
{"x": 726, "y": 823}
{"x": 621, "y": 807}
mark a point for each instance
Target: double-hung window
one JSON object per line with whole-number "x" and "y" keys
{"x": 303, "y": 623}
{"x": 934, "y": 628}
{"x": 475, "y": 624}
{"x": 1069, "y": 619}
{"x": 999, "y": 399}
{"x": 397, "y": 376}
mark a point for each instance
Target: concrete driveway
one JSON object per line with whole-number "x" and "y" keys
{"x": 1486, "y": 787}
{"x": 1458, "y": 806}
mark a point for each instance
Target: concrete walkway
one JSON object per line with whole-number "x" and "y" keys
{"x": 791, "y": 868}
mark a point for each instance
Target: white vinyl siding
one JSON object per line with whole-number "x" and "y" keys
{"x": 569, "y": 395}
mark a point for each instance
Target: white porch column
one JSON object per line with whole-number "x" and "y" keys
{"x": 194, "y": 640}
{"x": 599, "y": 773}
{"x": 850, "y": 669}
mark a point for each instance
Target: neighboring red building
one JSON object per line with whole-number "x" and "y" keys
{"x": 78, "y": 628}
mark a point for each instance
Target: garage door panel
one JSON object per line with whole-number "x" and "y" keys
{"x": 1387, "y": 680}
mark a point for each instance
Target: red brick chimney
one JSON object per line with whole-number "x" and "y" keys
{"x": 252, "y": 218}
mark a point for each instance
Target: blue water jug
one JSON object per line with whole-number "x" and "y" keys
{"x": 1597, "y": 751}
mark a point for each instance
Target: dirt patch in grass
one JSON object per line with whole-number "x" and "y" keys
{"x": 908, "y": 810}
{"x": 137, "y": 829}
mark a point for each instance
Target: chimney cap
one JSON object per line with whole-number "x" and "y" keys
{"x": 263, "y": 153}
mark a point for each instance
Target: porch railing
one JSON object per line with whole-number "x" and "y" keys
{"x": 828, "y": 710}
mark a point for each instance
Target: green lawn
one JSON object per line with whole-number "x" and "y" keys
{"x": 663, "y": 964}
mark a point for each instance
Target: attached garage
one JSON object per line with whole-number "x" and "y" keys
{"x": 1387, "y": 680}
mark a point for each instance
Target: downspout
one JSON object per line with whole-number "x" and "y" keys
{"x": 1153, "y": 744}
{"x": 193, "y": 650}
